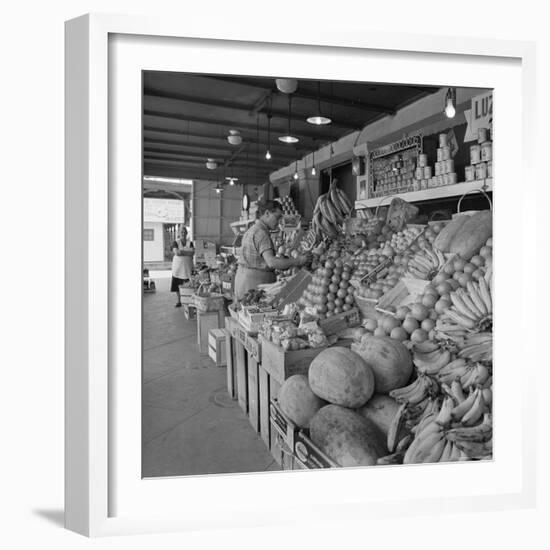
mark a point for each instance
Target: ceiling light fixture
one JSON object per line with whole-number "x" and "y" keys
{"x": 286, "y": 85}
{"x": 218, "y": 188}
{"x": 319, "y": 119}
{"x": 450, "y": 103}
{"x": 289, "y": 138}
{"x": 296, "y": 171}
{"x": 234, "y": 137}
{"x": 211, "y": 164}
{"x": 313, "y": 171}
{"x": 268, "y": 154}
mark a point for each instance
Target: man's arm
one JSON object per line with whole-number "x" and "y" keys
{"x": 282, "y": 263}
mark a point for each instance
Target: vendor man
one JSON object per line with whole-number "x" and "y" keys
{"x": 257, "y": 261}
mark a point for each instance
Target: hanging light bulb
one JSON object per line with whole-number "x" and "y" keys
{"x": 289, "y": 138}
{"x": 268, "y": 154}
{"x": 234, "y": 137}
{"x": 450, "y": 103}
{"x": 313, "y": 171}
{"x": 319, "y": 119}
{"x": 231, "y": 181}
{"x": 296, "y": 171}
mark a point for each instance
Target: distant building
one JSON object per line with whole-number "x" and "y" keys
{"x": 161, "y": 219}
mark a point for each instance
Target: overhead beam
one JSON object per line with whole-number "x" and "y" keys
{"x": 275, "y": 113}
{"x": 234, "y": 125}
{"x": 184, "y": 145}
{"x": 325, "y": 98}
{"x": 191, "y": 163}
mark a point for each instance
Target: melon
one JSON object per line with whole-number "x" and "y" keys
{"x": 389, "y": 359}
{"x": 380, "y": 410}
{"x": 472, "y": 235}
{"x": 297, "y": 401}
{"x": 340, "y": 376}
{"x": 346, "y": 437}
{"x": 444, "y": 238}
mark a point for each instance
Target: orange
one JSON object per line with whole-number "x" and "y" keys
{"x": 390, "y": 322}
{"x": 427, "y": 325}
{"x": 429, "y": 300}
{"x": 419, "y": 312}
{"x": 419, "y": 335}
{"x": 399, "y": 333}
{"x": 410, "y": 324}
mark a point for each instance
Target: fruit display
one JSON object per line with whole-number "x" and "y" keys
{"x": 330, "y": 211}
{"x": 287, "y": 205}
{"x": 297, "y": 401}
{"x": 429, "y": 353}
{"x": 330, "y": 291}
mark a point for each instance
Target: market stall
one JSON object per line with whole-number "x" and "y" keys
{"x": 379, "y": 351}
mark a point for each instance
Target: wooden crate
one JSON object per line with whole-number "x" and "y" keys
{"x": 308, "y": 455}
{"x": 253, "y": 392}
{"x": 282, "y": 424}
{"x": 341, "y": 321}
{"x": 281, "y": 364}
{"x": 216, "y": 346}
{"x": 206, "y": 321}
{"x": 189, "y": 311}
{"x": 231, "y": 375}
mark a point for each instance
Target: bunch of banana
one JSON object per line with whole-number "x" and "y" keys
{"x": 426, "y": 263}
{"x": 330, "y": 211}
{"x": 429, "y": 357}
{"x": 472, "y": 409}
{"x": 472, "y": 309}
{"x": 478, "y": 347}
{"x": 475, "y": 441}
{"x": 452, "y": 371}
{"x": 416, "y": 392}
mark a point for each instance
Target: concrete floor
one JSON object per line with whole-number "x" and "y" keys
{"x": 190, "y": 425}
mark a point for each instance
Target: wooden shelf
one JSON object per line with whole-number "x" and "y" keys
{"x": 456, "y": 190}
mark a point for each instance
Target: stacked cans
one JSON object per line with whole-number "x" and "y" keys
{"x": 481, "y": 158}
{"x": 394, "y": 174}
{"x": 443, "y": 172}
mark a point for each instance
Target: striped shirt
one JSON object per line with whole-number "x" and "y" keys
{"x": 255, "y": 242}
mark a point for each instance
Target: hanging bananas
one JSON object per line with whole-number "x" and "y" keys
{"x": 331, "y": 209}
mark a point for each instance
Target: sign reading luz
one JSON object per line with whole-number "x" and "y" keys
{"x": 479, "y": 116}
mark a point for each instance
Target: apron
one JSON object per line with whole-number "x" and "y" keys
{"x": 247, "y": 278}
{"x": 182, "y": 266}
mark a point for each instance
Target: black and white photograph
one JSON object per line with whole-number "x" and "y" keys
{"x": 317, "y": 262}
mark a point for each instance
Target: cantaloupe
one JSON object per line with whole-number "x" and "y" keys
{"x": 389, "y": 359}
{"x": 346, "y": 437}
{"x": 340, "y": 376}
{"x": 297, "y": 401}
{"x": 472, "y": 235}
{"x": 380, "y": 410}
{"x": 444, "y": 238}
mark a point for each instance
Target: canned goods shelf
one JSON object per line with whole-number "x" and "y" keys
{"x": 453, "y": 190}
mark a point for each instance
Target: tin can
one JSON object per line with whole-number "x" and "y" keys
{"x": 452, "y": 178}
{"x": 416, "y": 185}
{"x": 443, "y": 140}
{"x": 446, "y": 153}
{"x": 440, "y": 181}
{"x": 439, "y": 154}
{"x": 481, "y": 135}
{"x": 445, "y": 179}
{"x": 437, "y": 168}
{"x": 422, "y": 160}
{"x": 475, "y": 154}
{"x": 427, "y": 172}
{"x": 487, "y": 151}
{"x": 490, "y": 169}
{"x": 481, "y": 171}
{"x": 449, "y": 166}
{"x": 424, "y": 184}
{"x": 470, "y": 173}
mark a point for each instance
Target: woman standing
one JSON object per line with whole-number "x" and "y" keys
{"x": 182, "y": 262}
{"x": 257, "y": 261}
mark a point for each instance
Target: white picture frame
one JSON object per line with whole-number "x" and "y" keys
{"x": 104, "y": 493}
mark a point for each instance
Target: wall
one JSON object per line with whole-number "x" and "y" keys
{"x": 153, "y": 251}
{"x": 212, "y": 213}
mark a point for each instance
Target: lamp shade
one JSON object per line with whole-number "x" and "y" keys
{"x": 286, "y": 85}
{"x": 234, "y": 137}
{"x": 211, "y": 164}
